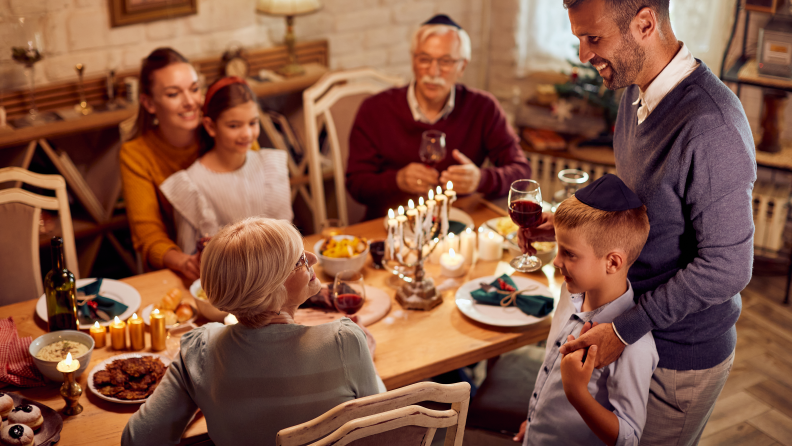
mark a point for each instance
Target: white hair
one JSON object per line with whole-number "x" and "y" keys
{"x": 427, "y": 31}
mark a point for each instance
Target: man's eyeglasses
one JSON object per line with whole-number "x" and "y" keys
{"x": 445, "y": 63}
{"x": 302, "y": 261}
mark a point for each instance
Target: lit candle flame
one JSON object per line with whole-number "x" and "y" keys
{"x": 469, "y": 231}
{"x": 491, "y": 236}
{"x": 390, "y": 213}
{"x": 410, "y": 204}
{"x": 156, "y": 311}
{"x": 401, "y": 210}
{"x": 96, "y": 324}
{"x": 134, "y": 316}
{"x": 481, "y": 229}
{"x": 431, "y": 194}
{"x": 118, "y": 321}
{"x": 451, "y": 253}
{"x": 68, "y": 360}
{"x": 439, "y": 190}
{"x": 420, "y": 201}
{"x": 451, "y": 236}
{"x": 450, "y": 186}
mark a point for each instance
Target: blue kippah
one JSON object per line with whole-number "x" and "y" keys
{"x": 442, "y": 19}
{"x": 610, "y": 194}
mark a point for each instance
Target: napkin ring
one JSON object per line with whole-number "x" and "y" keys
{"x": 511, "y": 299}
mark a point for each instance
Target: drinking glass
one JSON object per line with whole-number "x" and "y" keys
{"x": 349, "y": 293}
{"x": 572, "y": 180}
{"x": 433, "y": 147}
{"x": 525, "y": 210}
{"x": 27, "y": 49}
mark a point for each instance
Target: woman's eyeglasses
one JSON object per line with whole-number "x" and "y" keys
{"x": 302, "y": 261}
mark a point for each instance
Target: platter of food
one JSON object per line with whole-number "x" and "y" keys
{"x": 173, "y": 308}
{"x": 128, "y": 378}
{"x": 49, "y": 430}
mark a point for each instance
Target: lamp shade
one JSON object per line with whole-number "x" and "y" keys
{"x": 287, "y": 7}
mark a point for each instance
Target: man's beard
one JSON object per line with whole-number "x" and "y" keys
{"x": 624, "y": 69}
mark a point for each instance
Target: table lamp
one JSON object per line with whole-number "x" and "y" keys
{"x": 288, "y": 8}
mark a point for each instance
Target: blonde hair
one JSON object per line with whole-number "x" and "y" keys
{"x": 427, "y": 31}
{"x": 604, "y": 230}
{"x": 244, "y": 267}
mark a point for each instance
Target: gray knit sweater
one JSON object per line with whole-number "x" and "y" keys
{"x": 692, "y": 163}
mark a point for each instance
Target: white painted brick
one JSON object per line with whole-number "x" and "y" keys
{"x": 58, "y": 5}
{"x": 345, "y": 43}
{"x": 84, "y": 30}
{"x": 375, "y": 59}
{"x": 164, "y": 29}
{"x": 62, "y": 67}
{"x": 22, "y": 7}
{"x": 413, "y": 13}
{"x": 222, "y": 15}
{"x": 386, "y": 36}
{"x": 55, "y": 35}
{"x": 89, "y": 3}
{"x": 506, "y": 7}
{"x": 451, "y": 8}
{"x": 12, "y": 77}
{"x": 365, "y": 19}
{"x": 400, "y": 55}
{"x": 131, "y": 57}
{"x": 312, "y": 26}
{"x": 126, "y": 35}
{"x": 504, "y": 22}
{"x": 342, "y": 6}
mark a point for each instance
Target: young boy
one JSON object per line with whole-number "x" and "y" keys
{"x": 600, "y": 232}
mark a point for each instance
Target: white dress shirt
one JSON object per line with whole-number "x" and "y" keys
{"x": 680, "y": 67}
{"x": 418, "y": 114}
{"x": 621, "y": 387}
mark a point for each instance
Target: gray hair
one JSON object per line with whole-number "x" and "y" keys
{"x": 427, "y": 31}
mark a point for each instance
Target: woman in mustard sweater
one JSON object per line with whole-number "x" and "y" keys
{"x": 165, "y": 141}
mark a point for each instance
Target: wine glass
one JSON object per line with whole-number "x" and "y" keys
{"x": 525, "y": 210}
{"x": 433, "y": 147}
{"x": 349, "y": 293}
{"x": 28, "y": 49}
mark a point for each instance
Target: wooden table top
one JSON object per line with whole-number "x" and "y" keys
{"x": 411, "y": 345}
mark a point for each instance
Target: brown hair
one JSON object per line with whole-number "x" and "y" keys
{"x": 245, "y": 265}
{"x": 224, "y": 98}
{"x": 157, "y": 60}
{"x": 604, "y": 230}
{"x": 624, "y": 11}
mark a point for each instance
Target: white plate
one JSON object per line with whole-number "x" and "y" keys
{"x": 497, "y": 315}
{"x": 453, "y": 215}
{"x": 146, "y": 315}
{"x": 103, "y": 364}
{"x": 112, "y": 289}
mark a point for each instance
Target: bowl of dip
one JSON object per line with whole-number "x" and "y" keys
{"x": 51, "y": 348}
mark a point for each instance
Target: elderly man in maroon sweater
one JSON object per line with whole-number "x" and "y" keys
{"x": 384, "y": 168}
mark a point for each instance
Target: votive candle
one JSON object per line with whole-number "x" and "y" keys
{"x": 118, "y": 334}
{"x": 467, "y": 245}
{"x": 68, "y": 365}
{"x": 136, "y": 338}
{"x": 490, "y": 246}
{"x": 452, "y": 264}
{"x": 158, "y": 333}
{"x": 99, "y": 335}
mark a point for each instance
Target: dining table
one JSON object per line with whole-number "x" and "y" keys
{"x": 411, "y": 345}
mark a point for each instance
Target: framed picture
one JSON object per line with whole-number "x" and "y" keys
{"x": 761, "y": 5}
{"x": 127, "y": 12}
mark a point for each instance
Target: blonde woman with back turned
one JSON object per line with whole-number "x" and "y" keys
{"x": 266, "y": 373}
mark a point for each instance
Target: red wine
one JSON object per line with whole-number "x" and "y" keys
{"x": 349, "y": 303}
{"x": 525, "y": 214}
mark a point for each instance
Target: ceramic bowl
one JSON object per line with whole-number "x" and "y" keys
{"x": 332, "y": 266}
{"x": 205, "y": 308}
{"x": 49, "y": 368}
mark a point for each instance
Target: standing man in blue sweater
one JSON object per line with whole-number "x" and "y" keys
{"x": 683, "y": 145}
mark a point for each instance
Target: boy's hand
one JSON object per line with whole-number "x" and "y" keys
{"x": 521, "y": 433}
{"x": 545, "y": 232}
{"x": 575, "y": 374}
{"x": 604, "y": 337}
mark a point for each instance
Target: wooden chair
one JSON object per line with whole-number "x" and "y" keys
{"x": 20, "y": 212}
{"x": 333, "y": 103}
{"x": 390, "y": 418}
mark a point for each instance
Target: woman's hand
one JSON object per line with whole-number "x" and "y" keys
{"x": 370, "y": 342}
{"x": 545, "y": 232}
{"x": 184, "y": 264}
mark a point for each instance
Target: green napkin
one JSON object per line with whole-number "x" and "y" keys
{"x": 538, "y": 306}
{"x": 110, "y": 306}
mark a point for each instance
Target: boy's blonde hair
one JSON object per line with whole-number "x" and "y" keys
{"x": 604, "y": 230}
{"x": 244, "y": 267}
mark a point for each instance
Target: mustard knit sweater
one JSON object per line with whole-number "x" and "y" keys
{"x": 146, "y": 162}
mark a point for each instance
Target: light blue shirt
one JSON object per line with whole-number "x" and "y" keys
{"x": 622, "y": 387}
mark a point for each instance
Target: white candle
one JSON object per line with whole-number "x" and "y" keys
{"x": 450, "y": 192}
{"x": 438, "y": 251}
{"x": 490, "y": 246}
{"x": 430, "y": 211}
{"x": 452, "y": 264}
{"x": 452, "y": 242}
{"x": 400, "y": 220}
{"x": 391, "y": 228}
{"x": 467, "y": 244}
{"x": 442, "y": 205}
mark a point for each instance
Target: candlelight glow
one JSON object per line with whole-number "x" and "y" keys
{"x": 469, "y": 231}
{"x": 390, "y": 213}
{"x": 431, "y": 194}
{"x": 450, "y": 236}
{"x": 410, "y": 204}
{"x": 96, "y": 324}
{"x": 401, "y": 210}
{"x": 68, "y": 360}
{"x": 420, "y": 201}
{"x": 451, "y": 253}
{"x": 481, "y": 229}
{"x": 156, "y": 311}
{"x": 491, "y": 236}
{"x": 439, "y": 190}
{"x": 450, "y": 186}
{"x": 134, "y": 316}
{"x": 116, "y": 320}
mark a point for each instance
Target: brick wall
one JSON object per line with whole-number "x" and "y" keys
{"x": 361, "y": 33}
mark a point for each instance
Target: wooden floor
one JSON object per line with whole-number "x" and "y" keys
{"x": 755, "y": 407}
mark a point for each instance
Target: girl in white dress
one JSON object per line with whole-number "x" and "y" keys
{"x": 233, "y": 179}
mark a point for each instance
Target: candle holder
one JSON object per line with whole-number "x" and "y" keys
{"x": 71, "y": 392}
{"x": 83, "y": 108}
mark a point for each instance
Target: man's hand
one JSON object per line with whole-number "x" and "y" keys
{"x": 576, "y": 374}
{"x": 416, "y": 178}
{"x": 609, "y": 345}
{"x": 521, "y": 433}
{"x": 184, "y": 264}
{"x": 545, "y": 232}
{"x": 465, "y": 176}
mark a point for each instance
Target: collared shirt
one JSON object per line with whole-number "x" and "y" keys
{"x": 680, "y": 67}
{"x": 418, "y": 114}
{"x": 621, "y": 387}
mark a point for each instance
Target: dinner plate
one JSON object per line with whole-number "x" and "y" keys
{"x": 101, "y": 366}
{"x": 112, "y": 289}
{"x": 497, "y": 315}
{"x": 377, "y": 305}
{"x": 49, "y": 432}
{"x": 146, "y": 315}
{"x": 454, "y": 214}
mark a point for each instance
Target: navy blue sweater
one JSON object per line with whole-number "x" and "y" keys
{"x": 692, "y": 163}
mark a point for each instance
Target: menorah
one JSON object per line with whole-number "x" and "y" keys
{"x": 412, "y": 237}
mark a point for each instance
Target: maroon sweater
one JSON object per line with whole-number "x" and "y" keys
{"x": 385, "y": 138}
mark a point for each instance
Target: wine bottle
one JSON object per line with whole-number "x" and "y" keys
{"x": 61, "y": 292}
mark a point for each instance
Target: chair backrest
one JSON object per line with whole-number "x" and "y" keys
{"x": 390, "y": 418}
{"x": 333, "y": 102}
{"x": 20, "y": 211}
